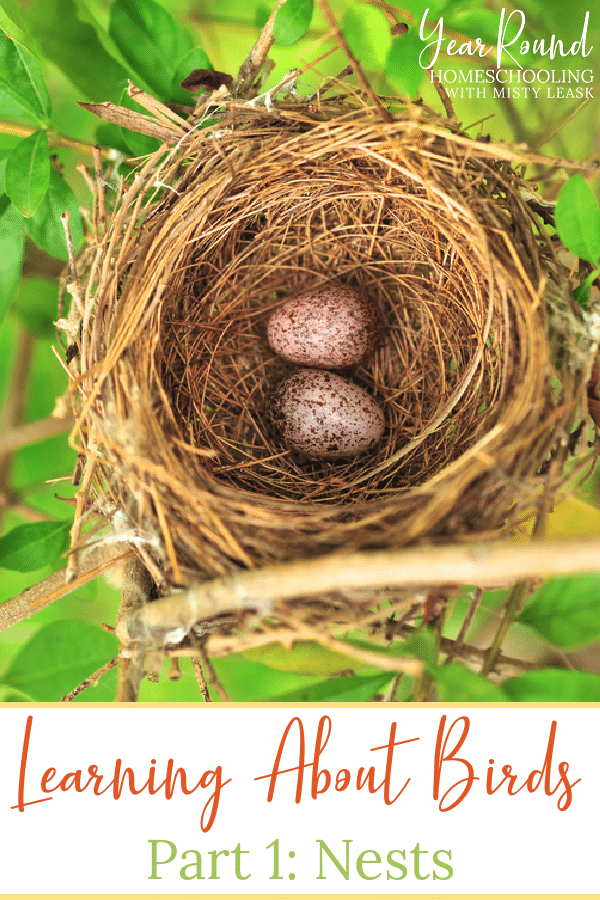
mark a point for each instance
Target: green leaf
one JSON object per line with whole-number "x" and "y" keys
{"x": 305, "y": 657}
{"x": 36, "y": 306}
{"x": 351, "y": 689}
{"x": 29, "y": 547}
{"x": 402, "y": 66}
{"x": 457, "y": 684}
{"x": 367, "y": 33}
{"x": 12, "y": 242}
{"x": 45, "y": 226}
{"x": 292, "y": 21}
{"x": 581, "y": 294}
{"x": 566, "y": 611}
{"x": 554, "y": 686}
{"x": 8, "y": 694}
{"x": 74, "y": 46}
{"x": 28, "y": 173}
{"x": 152, "y": 42}
{"x": 577, "y": 219}
{"x": 59, "y": 657}
{"x": 10, "y": 26}
{"x": 22, "y": 82}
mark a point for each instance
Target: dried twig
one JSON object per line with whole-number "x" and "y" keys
{"x": 491, "y": 565}
{"x": 90, "y": 680}
{"x": 212, "y": 675}
{"x": 385, "y": 114}
{"x": 256, "y": 59}
{"x": 201, "y": 680}
{"x": 45, "y": 592}
{"x": 32, "y": 432}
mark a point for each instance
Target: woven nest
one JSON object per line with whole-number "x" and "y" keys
{"x": 480, "y": 372}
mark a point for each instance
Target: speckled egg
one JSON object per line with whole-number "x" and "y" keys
{"x": 328, "y": 328}
{"x": 325, "y": 416}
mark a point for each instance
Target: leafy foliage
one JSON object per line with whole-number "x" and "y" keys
{"x": 293, "y": 21}
{"x": 578, "y": 219}
{"x": 456, "y": 683}
{"x": 45, "y": 226}
{"x": 58, "y": 657}
{"x": 152, "y": 42}
{"x": 22, "y": 86}
{"x": 566, "y": 611}
{"x": 30, "y": 547}
{"x": 28, "y": 173}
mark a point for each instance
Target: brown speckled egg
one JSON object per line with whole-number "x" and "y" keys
{"x": 329, "y": 328}
{"x": 325, "y": 416}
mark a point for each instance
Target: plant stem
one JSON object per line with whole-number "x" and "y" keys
{"x": 135, "y": 593}
{"x": 493, "y": 564}
{"x": 55, "y": 140}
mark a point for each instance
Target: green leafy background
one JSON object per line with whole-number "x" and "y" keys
{"x": 54, "y": 53}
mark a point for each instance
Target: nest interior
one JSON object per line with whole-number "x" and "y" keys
{"x": 176, "y": 371}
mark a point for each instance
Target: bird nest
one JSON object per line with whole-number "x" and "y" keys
{"x": 480, "y": 372}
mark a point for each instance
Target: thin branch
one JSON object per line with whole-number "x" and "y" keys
{"x": 515, "y": 598}
{"x": 45, "y": 592}
{"x": 493, "y": 564}
{"x": 24, "y": 435}
{"x": 385, "y": 114}
{"x": 90, "y": 681}
{"x": 212, "y": 675}
{"x": 255, "y": 60}
{"x": 55, "y": 140}
{"x": 458, "y": 644}
{"x": 201, "y": 680}
{"x": 135, "y": 593}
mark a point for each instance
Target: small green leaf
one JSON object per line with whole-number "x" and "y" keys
{"x": 402, "y": 66}
{"x": 457, "y": 684}
{"x": 59, "y": 657}
{"x": 292, "y": 21}
{"x": 45, "y": 226}
{"x": 305, "y": 657}
{"x": 28, "y": 173}
{"x": 566, "y": 611}
{"x": 36, "y": 306}
{"x": 351, "y": 689}
{"x": 152, "y": 42}
{"x": 554, "y": 686}
{"x": 22, "y": 82}
{"x": 29, "y": 547}
{"x": 577, "y": 219}
{"x": 367, "y": 33}
{"x": 12, "y": 242}
{"x": 581, "y": 294}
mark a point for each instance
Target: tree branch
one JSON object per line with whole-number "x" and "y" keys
{"x": 493, "y": 564}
